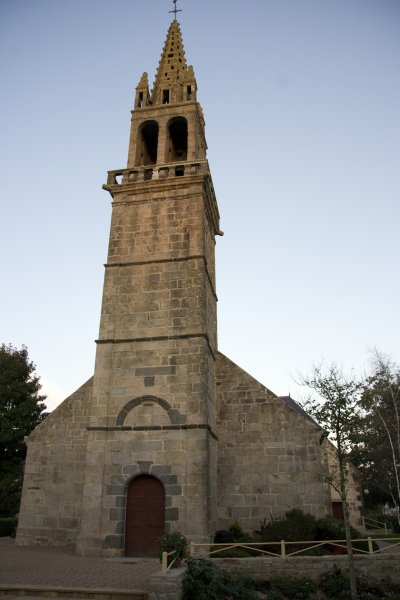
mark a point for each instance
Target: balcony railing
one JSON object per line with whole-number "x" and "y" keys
{"x": 157, "y": 172}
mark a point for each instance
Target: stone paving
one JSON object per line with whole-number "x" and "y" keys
{"x": 53, "y": 567}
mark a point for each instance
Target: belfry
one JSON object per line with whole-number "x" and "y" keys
{"x": 168, "y": 434}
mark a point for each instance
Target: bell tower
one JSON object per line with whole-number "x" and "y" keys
{"x": 152, "y": 413}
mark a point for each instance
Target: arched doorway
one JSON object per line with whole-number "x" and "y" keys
{"x": 145, "y": 513}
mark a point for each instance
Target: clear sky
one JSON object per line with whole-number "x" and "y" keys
{"x": 301, "y": 100}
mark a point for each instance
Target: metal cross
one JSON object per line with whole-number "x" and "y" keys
{"x": 176, "y": 10}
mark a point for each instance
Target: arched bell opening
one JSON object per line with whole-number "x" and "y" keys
{"x": 177, "y": 139}
{"x": 148, "y": 142}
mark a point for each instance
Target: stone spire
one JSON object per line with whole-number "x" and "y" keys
{"x": 173, "y": 73}
{"x": 142, "y": 92}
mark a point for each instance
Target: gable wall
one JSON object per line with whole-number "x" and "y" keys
{"x": 50, "y": 511}
{"x": 269, "y": 456}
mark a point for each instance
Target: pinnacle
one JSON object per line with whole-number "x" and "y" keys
{"x": 172, "y": 69}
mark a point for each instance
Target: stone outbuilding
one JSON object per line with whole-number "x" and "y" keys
{"x": 168, "y": 434}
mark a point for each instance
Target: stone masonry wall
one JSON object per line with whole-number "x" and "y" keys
{"x": 269, "y": 455}
{"x": 376, "y": 568}
{"x": 153, "y": 400}
{"x": 354, "y": 491}
{"x": 50, "y": 511}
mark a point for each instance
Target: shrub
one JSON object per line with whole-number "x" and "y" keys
{"x": 329, "y": 528}
{"x": 394, "y": 524}
{"x": 298, "y": 588}
{"x": 204, "y": 581}
{"x": 264, "y": 525}
{"x": 295, "y": 526}
{"x": 173, "y": 542}
{"x": 335, "y": 585}
{"x": 239, "y": 536}
{"x": 8, "y": 526}
{"x": 223, "y": 536}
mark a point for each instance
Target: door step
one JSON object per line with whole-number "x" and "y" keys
{"x": 36, "y": 592}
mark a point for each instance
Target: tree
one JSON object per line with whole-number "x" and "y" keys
{"x": 21, "y": 409}
{"x": 337, "y": 410}
{"x": 378, "y": 455}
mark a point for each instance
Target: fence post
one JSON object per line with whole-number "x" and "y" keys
{"x": 385, "y": 528}
{"x": 191, "y": 549}
{"x": 363, "y": 523}
{"x": 370, "y": 546}
{"x": 283, "y": 549}
{"x": 164, "y": 562}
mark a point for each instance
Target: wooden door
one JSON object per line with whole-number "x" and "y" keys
{"x": 144, "y": 522}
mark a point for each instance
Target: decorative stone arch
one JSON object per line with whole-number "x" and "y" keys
{"x": 177, "y": 139}
{"x": 175, "y": 417}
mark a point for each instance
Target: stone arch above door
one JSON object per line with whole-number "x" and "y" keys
{"x": 170, "y": 414}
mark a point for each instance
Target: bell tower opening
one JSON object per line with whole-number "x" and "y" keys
{"x": 177, "y": 139}
{"x": 148, "y": 138}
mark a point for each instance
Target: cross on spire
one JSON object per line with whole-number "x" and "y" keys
{"x": 175, "y": 10}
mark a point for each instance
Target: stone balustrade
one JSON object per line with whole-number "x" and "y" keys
{"x": 157, "y": 172}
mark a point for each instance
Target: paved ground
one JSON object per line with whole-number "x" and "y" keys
{"x": 38, "y": 566}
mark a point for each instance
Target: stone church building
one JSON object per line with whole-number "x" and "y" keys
{"x": 168, "y": 434}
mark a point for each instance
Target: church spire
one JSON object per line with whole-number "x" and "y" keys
{"x": 173, "y": 73}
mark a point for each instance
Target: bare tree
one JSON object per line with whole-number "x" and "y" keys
{"x": 336, "y": 404}
{"x": 381, "y": 400}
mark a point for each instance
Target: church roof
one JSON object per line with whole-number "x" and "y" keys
{"x": 296, "y": 407}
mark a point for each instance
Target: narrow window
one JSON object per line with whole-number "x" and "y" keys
{"x": 165, "y": 97}
{"x": 140, "y": 101}
{"x": 189, "y": 92}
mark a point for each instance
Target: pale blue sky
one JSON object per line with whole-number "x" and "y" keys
{"x": 301, "y": 100}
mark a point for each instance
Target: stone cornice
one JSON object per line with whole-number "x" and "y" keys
{"x": 171, "y": 176}
{"x": 159, "y": 338}
{"x": 154, "y": 428}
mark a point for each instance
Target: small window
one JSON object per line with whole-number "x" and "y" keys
{"x": 140, "y": 100}
{"x": 165, "y": 97}
{"x": 189, "y": 92}
{"x": 179, "y": 171}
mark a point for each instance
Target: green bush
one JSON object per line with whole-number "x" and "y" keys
{"x": 223, "y": 536}
{"x": 204, "y": 581}
{"x": 329, "y": 528}
{"x": 335, "y": 585}
{"x": 239, "y": 536}
{"x": 294, "y": 527}
{"x": 8, "y": 526}
{"x": 394, "y": 524}
{"x": 173, "y": 542}
{"x": 296, "y": 588}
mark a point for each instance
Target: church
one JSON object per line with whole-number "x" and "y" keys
{"x": 168, "y": 434}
